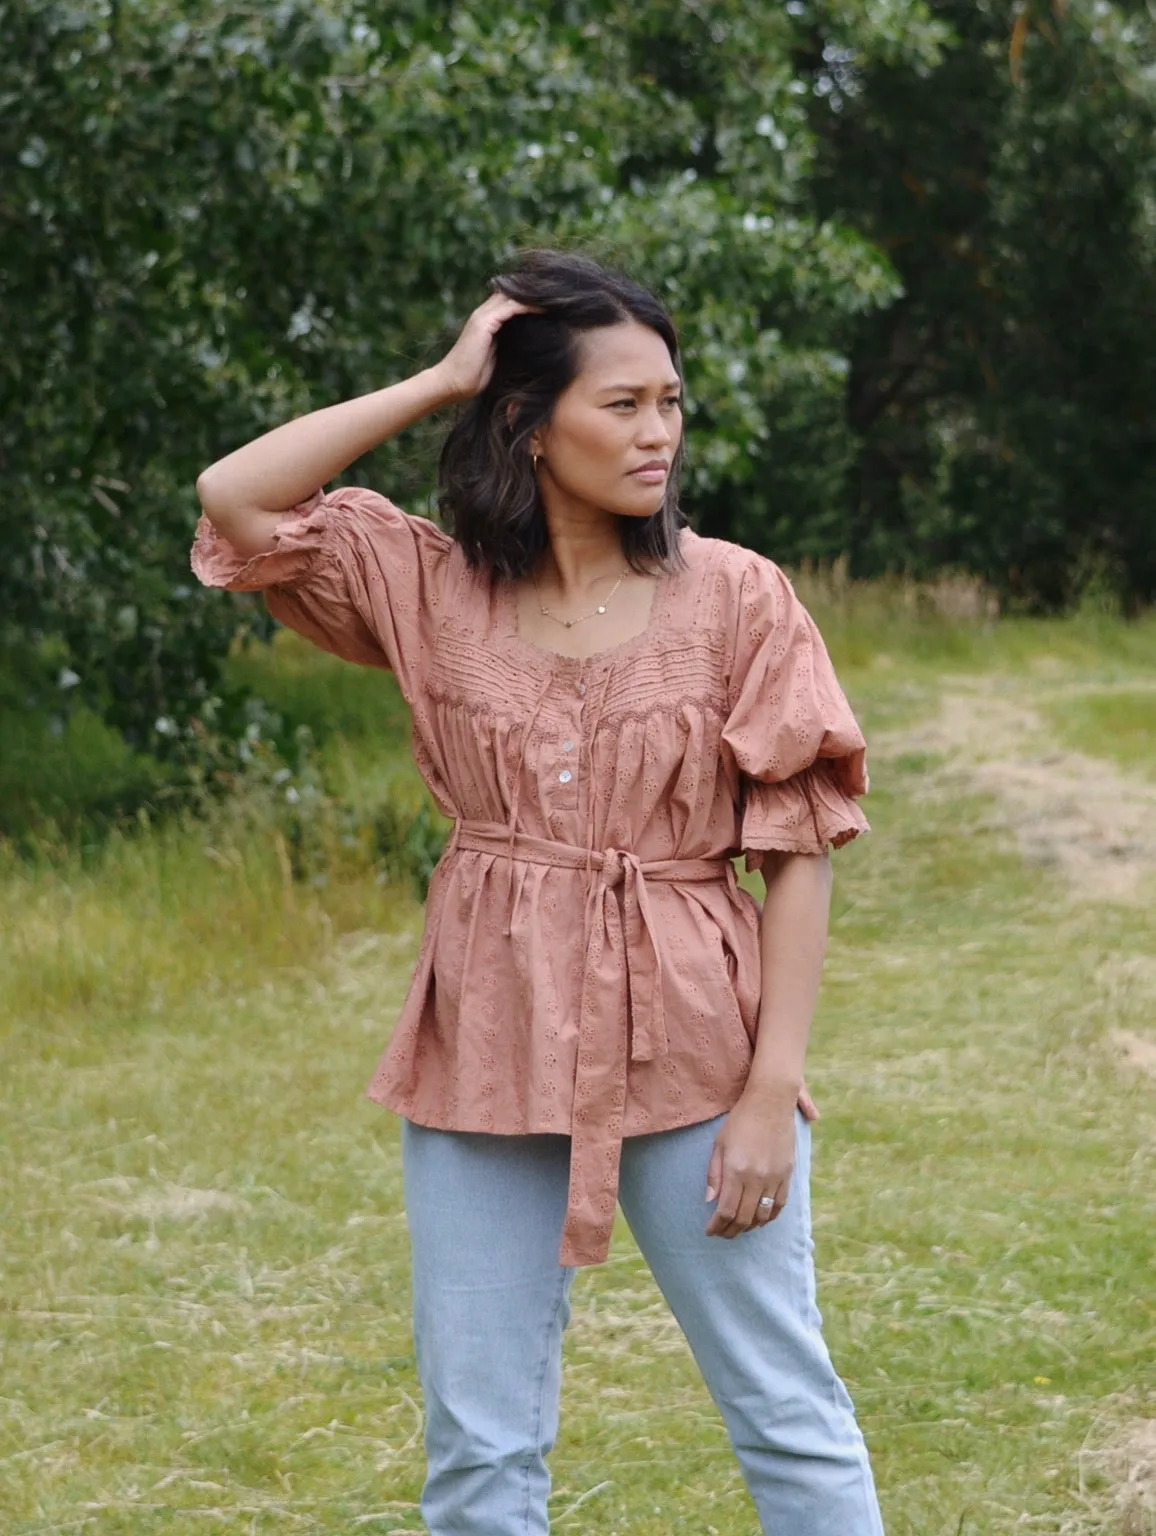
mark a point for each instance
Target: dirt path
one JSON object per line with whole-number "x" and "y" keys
{"x": 1081, "y": 815}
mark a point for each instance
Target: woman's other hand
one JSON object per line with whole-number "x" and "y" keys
{"x": 468, "y": 366}
{"x": 753, "y": 1157}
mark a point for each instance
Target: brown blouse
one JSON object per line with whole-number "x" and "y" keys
{"x": 590, "y": 965}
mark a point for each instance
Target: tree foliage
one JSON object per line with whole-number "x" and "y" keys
{"x": 910, "y": 246}
{"x": 1006, "y": 403}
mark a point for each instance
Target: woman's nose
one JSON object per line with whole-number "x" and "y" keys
{"x": 653, "y": 430}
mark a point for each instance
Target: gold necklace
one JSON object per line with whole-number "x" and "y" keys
{"x": 594, "y": 612}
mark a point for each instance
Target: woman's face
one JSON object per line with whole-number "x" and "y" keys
{"x": 615, "y": 431}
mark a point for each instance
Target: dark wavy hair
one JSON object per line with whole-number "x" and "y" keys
{"x": 487, "y": 490}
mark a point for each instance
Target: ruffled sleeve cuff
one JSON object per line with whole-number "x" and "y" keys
{"x": 300, "y": 541}
{"x": 810, "y": 812}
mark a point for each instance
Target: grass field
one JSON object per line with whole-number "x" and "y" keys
{"x": 205, "y": 1300}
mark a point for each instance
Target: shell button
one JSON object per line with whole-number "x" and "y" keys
{"x": 565, "y": 776}
{"x": 567, "y": 746}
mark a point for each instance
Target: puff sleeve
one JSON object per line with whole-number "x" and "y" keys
{"x": 799, "y": 751}
{"x": 350, "y": 572}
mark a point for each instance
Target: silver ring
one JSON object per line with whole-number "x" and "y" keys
{"x": 767, "y": 1201}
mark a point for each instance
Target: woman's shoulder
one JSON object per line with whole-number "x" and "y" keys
{"x": 727, "y": 558}
{"x": 379, "y": 518}
{"x": 730, "y": 577}
{"x": 399, "y": 542}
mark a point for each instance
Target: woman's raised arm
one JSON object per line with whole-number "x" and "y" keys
{"x": 247, "y": 493}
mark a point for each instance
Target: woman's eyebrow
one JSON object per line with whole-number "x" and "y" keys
{"x": 637, "y": 389}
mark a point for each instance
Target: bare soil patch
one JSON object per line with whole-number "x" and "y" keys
{"x": 1080, "y": 815}
{"x": 157, "y": 1201}
{"x": 1138, "y": 1051}
{"x": 1128, "y": 1463}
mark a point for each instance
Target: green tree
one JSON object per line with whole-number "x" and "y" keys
{"x": 1006, "y": 403}
{"x": 215, "y": 217}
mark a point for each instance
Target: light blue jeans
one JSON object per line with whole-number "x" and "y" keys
{"x": 491, "y": 1303}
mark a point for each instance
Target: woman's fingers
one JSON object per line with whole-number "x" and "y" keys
{"x": 504, "y": 303}
{"x": 737, "y": 1204}
{"x": 469, "y": 364}
{"x": 723, "y": 1221}
{"x": 766, "y": 1213}
{"x": 748, "y": 1212}
{"x": 491, "y": 316}
{"x": 494, "y": 313}
{"x": 772, "y": 1212}
{"x": 714, "y": 1173}
{"x": 740, "y": 1207}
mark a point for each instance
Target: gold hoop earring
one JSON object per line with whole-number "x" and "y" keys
{"x": 534, "y": 465}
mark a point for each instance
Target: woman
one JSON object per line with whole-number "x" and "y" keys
{"x": 611, "y": 708}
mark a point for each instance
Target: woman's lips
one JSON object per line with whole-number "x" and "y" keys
{"x": 650, "y": 474}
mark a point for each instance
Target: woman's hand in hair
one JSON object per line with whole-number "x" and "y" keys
{"x": 468, "y": 366}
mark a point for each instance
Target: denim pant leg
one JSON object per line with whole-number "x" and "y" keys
{"x": 748, "y": 1309}
{"x": 491, "y": 1303}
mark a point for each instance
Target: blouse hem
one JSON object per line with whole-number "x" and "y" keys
{"x": 677, "y": 1120}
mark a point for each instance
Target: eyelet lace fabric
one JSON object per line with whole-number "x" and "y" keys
{"x": 590, "y": 965}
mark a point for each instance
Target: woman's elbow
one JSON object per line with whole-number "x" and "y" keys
{"x": 207, "y": 492}
{"x": 250, "y": 530}
{"x": 236, "y": 522}
{"x": 212, "y": 497}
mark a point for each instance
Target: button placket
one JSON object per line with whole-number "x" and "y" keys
{"x": 563, "y": 772}
{"x": 566, "y": 775}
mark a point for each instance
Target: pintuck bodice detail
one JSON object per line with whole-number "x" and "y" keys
{"x": 590, "y": 964}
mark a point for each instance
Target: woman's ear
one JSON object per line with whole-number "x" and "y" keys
{"x": 535, "y": 445}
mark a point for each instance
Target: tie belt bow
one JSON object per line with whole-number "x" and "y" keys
{"x": 621, "y": 1010}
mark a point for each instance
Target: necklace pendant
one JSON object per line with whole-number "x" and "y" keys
{"x": 602, "y": 609}
{"x": 569, "y": 623}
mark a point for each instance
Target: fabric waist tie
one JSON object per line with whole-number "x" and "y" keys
{"x": 621, "y": 1012}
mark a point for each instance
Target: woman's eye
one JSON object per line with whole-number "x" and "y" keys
{"x": 614, "y": 404}
{"x": 673, "y": 401}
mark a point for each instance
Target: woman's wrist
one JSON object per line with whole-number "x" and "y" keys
{"x": 773, "y": 1087}
{"x": 438, "y": 386}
